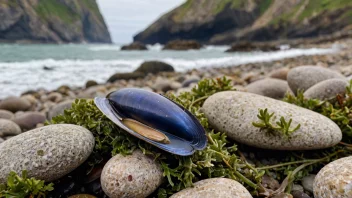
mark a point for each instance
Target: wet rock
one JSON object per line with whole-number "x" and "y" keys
{"x": 304, "y": 77}
{"x": 134, "y": 46}
{"x": 280, "y": 73}
{"x": 1, "y": 140}
{"x": 9, "y": 128}
{"x": 59, "y": 108}
{"x": 307, "y": 183}
{"x": 126, "y": 76}
{"x": 133, "y": 175}
{"x": 247, "y": 46}
{"x": 327, "y": 89}
{"x": 182, "y": 45}
{"x": 334, "y": 180}
{"x": 4, "y": 114}
{"x": 15, "y": 104}
{"x": 91, "y": 83}
{"x": 29, "y": 120}
{"x": 234, "y": 112}
{"x": 47, "y": 153}
{"x": 270, "y": 87}
{"x": 215, "y": 187}
{"x": 154, "y": 67}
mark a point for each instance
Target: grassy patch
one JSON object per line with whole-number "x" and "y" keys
{"x": 47, "y": 8}
{"x": 183, "y": 10}
{"x": 264, "y": 5}
{"x": 318, "y": 6}
{"x": 234, "y": 4}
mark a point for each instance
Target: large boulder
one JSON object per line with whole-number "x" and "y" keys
{"x": 182, "y": 45}
{"x": 134, "y": 46}
{"x": 246, "y": 46}
{"x": 154, "y": 67}
{"x": 234, "y": 112}
{"x": 47, "y": 153}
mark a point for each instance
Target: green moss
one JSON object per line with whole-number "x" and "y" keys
{"x": 48, "y": 8}
{"x": 234, "y": 4}
{"x": 315, "y": 7}
{"x": 183, "y": 10}
{"x": 264, "y": 5}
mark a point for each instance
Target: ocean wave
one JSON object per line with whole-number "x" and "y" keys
{"x": 105, "y": 48}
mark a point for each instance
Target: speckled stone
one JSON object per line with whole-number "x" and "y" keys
{"x": 4, "y": 114}
{"x": 327, "y": 89}
{"x": 47, "y": 153}
{"x": 29, "y": 120}
{"x": 270, "y": 87}
{"x": 134, "y": 175}
{"x": 304, "y": 77}
{"x": 59, "y": 108}
{"x": 215, "y": 187}
{"x": 334, "y": 180}
{"x": 8, "y": 128}
{"x": 15, "y": 104}
{"x": 233, "y": 113}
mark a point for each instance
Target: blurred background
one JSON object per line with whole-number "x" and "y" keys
{"x": 45, "y": 44}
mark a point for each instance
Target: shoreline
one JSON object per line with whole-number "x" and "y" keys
{"x": 176, "y": 82}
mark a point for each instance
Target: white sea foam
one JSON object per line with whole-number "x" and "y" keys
{"x": 17, "y": 77}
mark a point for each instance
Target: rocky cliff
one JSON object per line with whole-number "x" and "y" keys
{"x": 228, "y": 21}
{"x": 52, "y": 21}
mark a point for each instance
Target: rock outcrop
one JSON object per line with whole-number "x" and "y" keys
{"x": 229, "y": 21}
{"x": 52, "y": 21}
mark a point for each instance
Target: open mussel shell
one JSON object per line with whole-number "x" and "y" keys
{"x": 170, "y": 126}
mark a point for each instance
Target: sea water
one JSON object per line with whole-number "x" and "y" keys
{"x": 31, "y": 67}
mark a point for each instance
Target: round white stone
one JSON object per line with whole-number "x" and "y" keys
{"x": 47, "y": 153}
{"x": 233, "y": 112}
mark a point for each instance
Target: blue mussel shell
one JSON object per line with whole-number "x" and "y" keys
{"x": 184, "y": 131}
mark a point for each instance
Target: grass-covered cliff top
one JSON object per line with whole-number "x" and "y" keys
{"x": 301, "y": 10}
{"x": 68, "y": 12}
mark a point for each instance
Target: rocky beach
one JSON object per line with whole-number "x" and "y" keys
{"x": 309, "y": 133}
{"x": 225, "y": 98}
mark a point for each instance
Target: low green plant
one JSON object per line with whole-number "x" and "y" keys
{"x": 283, "y": 127}
{"x": 24, "y": 187}
{"x": 221, "y": 158}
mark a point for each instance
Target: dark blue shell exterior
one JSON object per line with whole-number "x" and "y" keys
{"x": 182, "y": 128}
